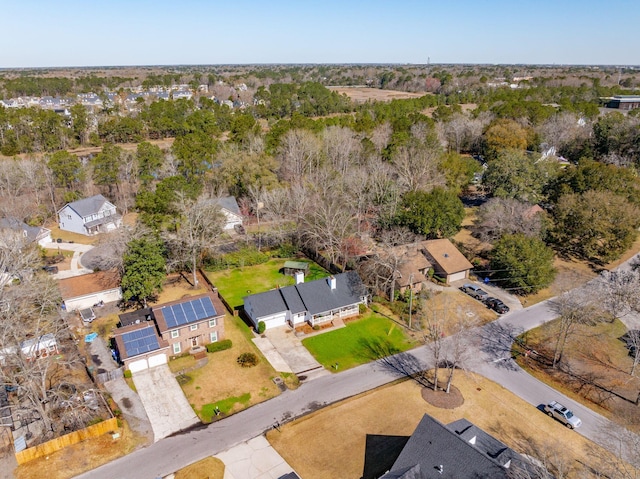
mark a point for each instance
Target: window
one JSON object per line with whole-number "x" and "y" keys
{"x": 212, "y": 323}
{"x": 213, "y": 336}
{"x": 68, "y": 217}
{"x": 176, "y": 348}
{"x": 175, "y": 333}
{"x": 193, "y": 327}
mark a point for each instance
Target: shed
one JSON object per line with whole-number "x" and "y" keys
{"x": 293, "y": 267}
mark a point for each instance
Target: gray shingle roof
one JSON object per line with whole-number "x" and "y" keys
{"x": 315, "y": 296}
{"x": 229, "y": 203}
{"x": 318, "y": 296}
{"x": 33, "y": 232}
{"x": 433, "y": 445}
{"x": 88, "y": 206}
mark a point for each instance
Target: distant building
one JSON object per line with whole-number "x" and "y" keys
{"x": 89, "y": 216}
{"x": 33, "y": 234}
{"x": 624, "y": 102}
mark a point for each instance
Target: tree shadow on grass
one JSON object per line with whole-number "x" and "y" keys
{"x": 401, "y": 364}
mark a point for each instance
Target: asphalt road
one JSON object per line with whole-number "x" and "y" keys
{"x": 489, "y": 356}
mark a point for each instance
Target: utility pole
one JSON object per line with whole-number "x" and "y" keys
{"x": 410, "y": 297}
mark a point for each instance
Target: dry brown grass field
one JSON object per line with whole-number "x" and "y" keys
{"x": 365, "y": 94}
{"x": 331, "y": 442}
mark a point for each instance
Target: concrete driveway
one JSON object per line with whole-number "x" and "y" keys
{"x": 166, "y": 405}
{"x": 254, "y": 459}
{"x": 290, "y": 349}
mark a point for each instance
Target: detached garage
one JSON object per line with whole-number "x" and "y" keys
{"x": 448, "y": 262}
{"x": 82, "y": 292}
{"x": 140, "y": 347}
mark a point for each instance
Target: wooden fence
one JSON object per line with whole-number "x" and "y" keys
{"x": 61, "y": 442}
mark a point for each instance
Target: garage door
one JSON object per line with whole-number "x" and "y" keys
{"x": 275, "y": 320}
{"x": 457, "y": 276}
{"x": 139, "y": 365}
{"x": 157, "y": 360}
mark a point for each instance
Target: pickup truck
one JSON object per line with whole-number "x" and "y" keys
{"x": 562, "y": 414}
{"x": 474, "y": 291}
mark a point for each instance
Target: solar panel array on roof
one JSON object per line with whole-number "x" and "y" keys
{"x": 140, "y": 341}
{"x": 188, "y": 312}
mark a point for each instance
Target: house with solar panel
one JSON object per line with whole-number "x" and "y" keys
{"x": 316, "y": 302}
{"x": 148, "y": 337}
{"x": 89, "y": 216}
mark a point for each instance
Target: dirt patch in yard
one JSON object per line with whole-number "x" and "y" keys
{"x": 84, "y": 456}
{"x": 342, "y": 432}
{"x": 456, "y": 307}
{"x": 365, "y": 94}
{"x": 442, "y": 399}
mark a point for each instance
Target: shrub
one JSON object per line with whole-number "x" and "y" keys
{"x": 247, "y": 360}
{"x": 248, "y": 256}
{"x": 261, "y": 327}
{"x": 286, "y": 250}
{"x": 127, "y": 373}
{"x": 219, "y": 346}
{"x": 362, "y": 308}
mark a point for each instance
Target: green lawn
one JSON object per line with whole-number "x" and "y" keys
{"x": 361, "y": 341}
{"x": 234, "y": 284}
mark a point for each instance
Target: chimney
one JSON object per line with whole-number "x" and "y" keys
{"x": 299, "y": 277}
{"x": 331, "y": 280}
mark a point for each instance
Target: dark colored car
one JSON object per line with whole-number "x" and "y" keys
{"x": 50, "y": 269}
{"x": 497, "y": 305}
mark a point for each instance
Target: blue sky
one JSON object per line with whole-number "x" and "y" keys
{"x": 45, "y": 33}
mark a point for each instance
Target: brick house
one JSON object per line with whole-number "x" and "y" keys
{"x": 148, "y": 337}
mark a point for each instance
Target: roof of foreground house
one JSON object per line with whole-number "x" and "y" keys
{"x": 459, "y": 450}
{"x": 88, "y": 284}
{"x": 190, "y": 310}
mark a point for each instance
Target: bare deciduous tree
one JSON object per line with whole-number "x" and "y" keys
{"x": 573, "y": 308}
{"x": 500, "y": 216}
{"x": 300, "y": 154}
{"x": 200, "y": 225}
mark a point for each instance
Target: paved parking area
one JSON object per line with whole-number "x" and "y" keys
{"x": 254, "y": 459}
{"x": 290, "y": 348}
{"x": 165, "y": 403}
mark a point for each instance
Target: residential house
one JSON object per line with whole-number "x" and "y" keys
{"x": 447, "y": 261}
{"x": 413, "y": 267}
{"x": 231, "y": 210}
{"x": 81, "y": 292}
{"x": 139, "y": 346}
{"x": 40, "y": 347}
{"x": 190, "y": 322}
{"x": 316, "y": 302}
{"x": 147, "y": 337}
{"x": 458, "y": 450}
{"x": 33, "y": 234}
{"x": 89, "y": 216}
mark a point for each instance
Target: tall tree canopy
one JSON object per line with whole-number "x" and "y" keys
{"x": 437, "y": 214}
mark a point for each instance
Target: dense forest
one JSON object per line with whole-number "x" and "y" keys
{"x": 330, "y": 174}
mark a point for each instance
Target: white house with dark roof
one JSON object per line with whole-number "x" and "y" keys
{"x": 231, "y": 210}
{"x": 315, "y": 302}
{"x": 89, "y": 216}
{"x": 33, "y": 234}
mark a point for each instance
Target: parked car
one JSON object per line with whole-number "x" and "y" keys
{"x": 562, "y": 414}
{"x": 497, "y": 305}
{"x": 475, "y": 291}
{"x": 50, "y": 269}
